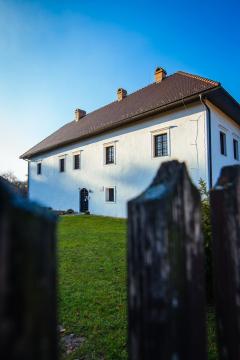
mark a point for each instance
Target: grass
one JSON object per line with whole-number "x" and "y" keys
{"x": 92, "y": 279}
{"x": 92, "y": 287}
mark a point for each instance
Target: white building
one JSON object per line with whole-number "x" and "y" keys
{"x": 102, "y": 159}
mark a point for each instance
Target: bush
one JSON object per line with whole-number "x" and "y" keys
{"x": 207, "y": 233}
{"x": 70, "y": 211}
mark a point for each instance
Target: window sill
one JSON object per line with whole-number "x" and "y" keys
{"x": 160, "y": 157}
{"x": 110, "y": 164}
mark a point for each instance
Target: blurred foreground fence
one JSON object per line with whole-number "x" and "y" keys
{"x": 28, "y": 326}
{"x": 166, "y": 282}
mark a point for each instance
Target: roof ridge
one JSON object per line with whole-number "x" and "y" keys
{"x": 198, "y": 77}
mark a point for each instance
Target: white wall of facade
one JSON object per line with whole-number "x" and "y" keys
{"x": 221, "y": 122}
{"x": 135, "y": 165}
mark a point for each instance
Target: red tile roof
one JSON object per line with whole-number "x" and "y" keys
{"x": 171, "y": 91}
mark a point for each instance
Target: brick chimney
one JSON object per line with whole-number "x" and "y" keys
{"x": 79, "y": 114}
{"x": 121, "y": 94}
{"x": 160, "y": 74}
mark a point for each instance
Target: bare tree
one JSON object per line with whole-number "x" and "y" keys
{"x": 9, "y": 176}
{"x": 19, "y": 185}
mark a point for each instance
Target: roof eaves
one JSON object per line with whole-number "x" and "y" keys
{"x": 134, "y": 117}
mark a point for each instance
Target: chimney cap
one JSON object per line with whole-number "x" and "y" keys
{"x": 160, "y": 69}
{"x": 121, "y": 94}
{"x": 79, "y": 114}
{"x": 160, "y": 74}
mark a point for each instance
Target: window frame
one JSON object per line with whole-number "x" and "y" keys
{"x": 39, "y": 166}
{"x": 223, "y": 142}
{"x": 105, "y": 146}
{"x": 158, "y": 132}
{"x": 60, "y": 159}
{"x": 235, "y": 150}
{"x": 74, "y": 163}
{"x": 107, "y": 188}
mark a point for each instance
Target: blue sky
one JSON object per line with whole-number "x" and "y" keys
{"x": 57, "y": 55}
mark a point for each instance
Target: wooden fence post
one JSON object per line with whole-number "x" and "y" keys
{"x": 166, "y": 295}
{"x": 28, "y": 326}
{"x": 225, "y": 209}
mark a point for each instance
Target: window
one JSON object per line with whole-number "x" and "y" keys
{"x": 109, "y": 154}
{"x": 110, "y": 194}
{"x": 223, "y": 146}
{"x": 62, "y": 165}
{"x": 160, "y": 145}
{"x": 39, "y": 169}
{"x": 235, "y": 149}
{"x": 76, "y": 161}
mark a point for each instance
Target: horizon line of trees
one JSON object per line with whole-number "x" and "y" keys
{"x": 19, "y": 185}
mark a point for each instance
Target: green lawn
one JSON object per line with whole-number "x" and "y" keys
{"x": 92, "y": 286}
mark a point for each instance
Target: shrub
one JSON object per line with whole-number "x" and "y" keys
{"x": 207, "y": 233}
{"x": 70, "y": 211}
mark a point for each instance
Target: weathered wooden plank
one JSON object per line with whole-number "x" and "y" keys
{"x": 28, "y": 326}
{"x": 225, "y": 209}
{"x": 166, "y": 297}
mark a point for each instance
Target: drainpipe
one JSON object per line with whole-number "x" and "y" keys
{"x": 28, "y": 175}
{"x": 209, "y": 138}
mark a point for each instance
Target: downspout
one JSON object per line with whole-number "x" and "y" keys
{"x": 28, "y": 167}
{"x": 209, "y": 138}
{"x": 28, "y": 179}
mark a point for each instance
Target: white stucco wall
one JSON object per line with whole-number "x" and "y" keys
{"x": 135, "y": 166}
{"x": 221, "y": 122}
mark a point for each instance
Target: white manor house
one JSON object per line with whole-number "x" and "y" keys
{"x": 100, "y": 160}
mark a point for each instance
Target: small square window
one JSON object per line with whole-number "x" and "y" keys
{"x": 76, "y": 161}
{"x": 223, "y": 145}
{"x": 39, "y": 169}
{"x": 160, "y": 145}
{"x": 235, "y": 149}
{"x": 110, "y": 194}
{"x": 109, "y": 154}
{"x": 62, "y": 165}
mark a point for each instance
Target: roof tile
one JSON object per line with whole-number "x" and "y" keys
{"x": 173, "y": 88}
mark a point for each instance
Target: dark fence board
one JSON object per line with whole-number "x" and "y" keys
{"x": 225, "y": 207}
{"x": 166, "y": 298}
{"x": 28, "y": 326}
